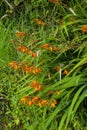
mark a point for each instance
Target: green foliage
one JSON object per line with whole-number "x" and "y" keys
{"x": 61, "y": 27}
{"x": 17, "y": 2}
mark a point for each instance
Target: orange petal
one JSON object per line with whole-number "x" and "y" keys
{"x": 39, "y": 22}
{"x": 19, "y": 34}
{"x": 35, "y": 99}
{"x": 84, "y": 28}
{"x": 57, "y": 68}
{"x": 65, "y": 72}
{"x": 29, "y": 103}
{"x": 14, "y": 65}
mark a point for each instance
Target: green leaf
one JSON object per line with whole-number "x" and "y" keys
{"x": 81, "y": 98}
{"x": 17, "y": 2}
{"x": 82, "y": 62}
{"x": 75, "y": 99}
{"x": 62, "y": 121}
{"x": 54, "y": 113}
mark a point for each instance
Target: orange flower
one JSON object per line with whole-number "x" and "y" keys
{"x": 24, "y": 99}
{"x": 27, "y": 69}
{"x": 31, "y": 69}
{"x": 14, "y": 65}
{"x": 57, "y": 68}
{"x": 29, "y": 103}
{"x": 52, "y": 104}
{"x": 39, "y": 22}
{"x": 36, "y": 71}
{"x": 33, "y": 54}
{"x": 44, "y": 102}
{"x": 84, "y": 28}
{"x": 36, "y": 85}
{"x": 45, "y": 46}
{"x": 24, "y": 49}
{"x": 39, "y": 104}
{"x": 65, "y": 72}
{"x": 35, "y": 100}
{"x": 20, "y": 34}
{"x": 54, "y": 101}
{"x": 55, "y": 49}
{"x": 50, "y": 47}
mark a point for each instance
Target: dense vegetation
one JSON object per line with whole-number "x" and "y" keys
{"x": 43, "y": 65}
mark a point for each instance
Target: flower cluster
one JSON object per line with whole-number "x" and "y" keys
{"x": 14, "y": 65}
{"x": 50, "y": 47}
{"x": 33, "y": 54}
{"x": 31, "y": 69}
{"x": 21, "y": 34}
{"x": 27, "y": 69}
{"x": 23, "y": 49}
{"x": 37, "y": 101}
{"x": 36, "y": 85}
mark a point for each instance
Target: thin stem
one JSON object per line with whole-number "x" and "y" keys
{"x": 8, "y": 4}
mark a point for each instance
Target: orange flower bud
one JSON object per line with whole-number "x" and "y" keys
{"x": 39, "y": 22}
{"x": 33, "y": 54}
{"x": 45, "y": 46}
{"x": 84, "y": 28}
{"x": 57, "y": 68}
{"x": 65, "y": 72}
{"x": 20, "y": 34}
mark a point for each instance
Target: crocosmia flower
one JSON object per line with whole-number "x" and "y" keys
{"x": 20, "y": 34}
{"x": 84, "y": 28}
{"x": 14, "y": 65}
{"x": 39, "y": 22}
{"x": 24, "y": 49}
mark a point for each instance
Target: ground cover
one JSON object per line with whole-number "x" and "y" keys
{"x": 43, "y": 59}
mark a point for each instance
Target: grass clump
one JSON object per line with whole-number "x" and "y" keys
{"x": 43, "y": 69}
